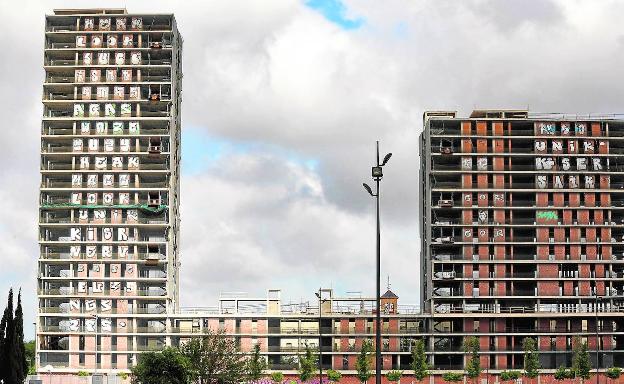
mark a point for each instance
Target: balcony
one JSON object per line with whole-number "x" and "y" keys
{"x": 132, "y": 257}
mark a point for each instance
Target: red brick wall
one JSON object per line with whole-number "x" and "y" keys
{"x": 547, "y": 288}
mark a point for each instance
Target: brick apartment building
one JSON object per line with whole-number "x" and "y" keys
{"x": 522, "y": 233}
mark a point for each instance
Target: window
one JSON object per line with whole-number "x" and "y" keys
{"x": 385, "y": 344}
{"x": 351, "y": 344}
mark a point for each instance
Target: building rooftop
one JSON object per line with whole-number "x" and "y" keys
{"x": 91, "y": 11}
{"x": 389, "y": 295}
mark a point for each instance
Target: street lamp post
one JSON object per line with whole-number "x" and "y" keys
{"x": 377, "y": 173}
{"x": 596, "y": 297}
{"x": 36, "y": 362}
{"x": 321, "y": 301}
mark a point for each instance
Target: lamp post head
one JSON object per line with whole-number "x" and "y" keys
{"x": 368, "y": 189}
{"x": 377, "y": 172}
{"x": 385, "y": 160}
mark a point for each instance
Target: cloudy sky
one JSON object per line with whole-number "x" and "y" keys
{"x": 282, "y": 103}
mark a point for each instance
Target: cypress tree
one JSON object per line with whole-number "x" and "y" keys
{"x": 419, "y": 360}
{"x": 3, "y": 360}
{"x": 21, "y": 367}
{"x": 6, "y": 333}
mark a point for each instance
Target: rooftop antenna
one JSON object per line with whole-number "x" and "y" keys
{"x": 388, "y": 282}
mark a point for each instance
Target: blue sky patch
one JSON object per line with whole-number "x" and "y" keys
{"x": 335, "y": 11}
{"x": 200, "y": 150}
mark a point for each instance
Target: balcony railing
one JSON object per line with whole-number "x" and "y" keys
{"x": 98, "y": 258}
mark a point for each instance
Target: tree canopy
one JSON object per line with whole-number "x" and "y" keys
{"x": 581, "y": 363}
{"x": 363, "y": 363}
{"x": 215, "y": 358}
{"x": 168, "y": 366}
{"x": 419, "y": 360}
{"x": 531, "y": 358}
{"x": 473, "y": 363}
{"x": 256, "y": 365}
{"x": 307, "y": 364}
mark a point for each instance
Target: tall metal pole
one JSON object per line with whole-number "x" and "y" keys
{"x": 377, "y": 173}
{"x": 378, "y": 318}
{"x": 320, "y": 338}
{"x": 597, "y": 342}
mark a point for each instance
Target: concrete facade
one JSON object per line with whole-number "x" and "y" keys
{"x": 109, "y": 197}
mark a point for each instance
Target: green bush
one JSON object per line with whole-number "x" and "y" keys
{"x": 123, "y": 375}
{"x": 277, "y": 377}
{"x": 83, "y": 373}
{"x": 563, "y": 373}
{"x": 510, "y": 375}
{"x": 613, "y": 373}
{"x": 334, "y": 376}
{"x": 393, "y": 376}
{"x": 452, "y": 377}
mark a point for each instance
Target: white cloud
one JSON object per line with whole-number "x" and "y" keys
{"x": 278, "y": 229}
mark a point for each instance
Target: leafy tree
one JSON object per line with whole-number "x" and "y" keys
{"x": 363, "y": 363}
{"x": 531, "y": 358}
{"x": 277, "y": 377}
{"x": 419, "y": 360}
{"x": 333, "y": 376}
{"x": 168, "y": 366}
{"x": 307, "y": 364}
{"x": 473, "y": 364}
{"x": 256, "y": 364}
{"x": 394, "y": 376}
{"x": 452, "y": 377}
{"x": 29, "y": 352}
{"x": 581, "y": 364}
{"x": 215, "y": 358}
{"x": 613, "y": 373}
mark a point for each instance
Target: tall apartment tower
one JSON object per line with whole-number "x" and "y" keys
{"x": 523, "y": 235}
{"x": 109, "y": 201}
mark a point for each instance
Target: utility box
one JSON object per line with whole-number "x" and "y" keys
{"x": 97, "y": 379}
